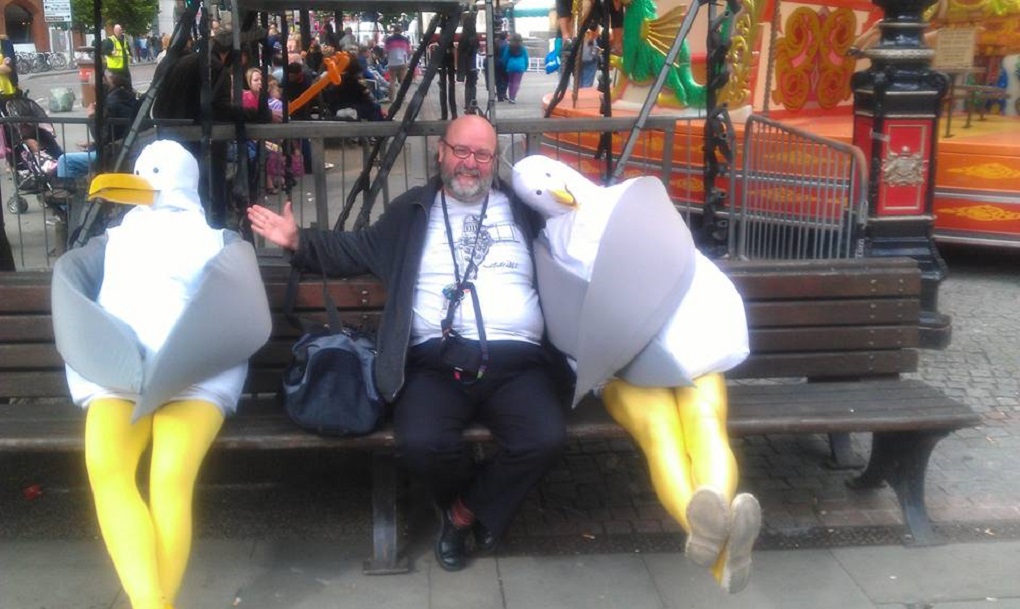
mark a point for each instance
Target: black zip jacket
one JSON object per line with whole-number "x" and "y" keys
{"x": 391, "y": 249}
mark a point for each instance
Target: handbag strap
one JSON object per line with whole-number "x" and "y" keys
{"x": 305, "y": 325}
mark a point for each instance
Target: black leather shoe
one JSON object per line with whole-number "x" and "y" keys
{"x": 451, "y": 544}
{"x": 485, "y": 540}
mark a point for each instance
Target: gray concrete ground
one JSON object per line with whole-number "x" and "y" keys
{"x": 290, "y": 529}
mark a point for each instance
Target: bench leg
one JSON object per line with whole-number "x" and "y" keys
{"x": 901, "y": 459}
{"x": 386, "y": 557}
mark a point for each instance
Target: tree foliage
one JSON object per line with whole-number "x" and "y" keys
{"x": 135, "y": 16}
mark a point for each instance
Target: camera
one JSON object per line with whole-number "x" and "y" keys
{"x": 460, "y": 353}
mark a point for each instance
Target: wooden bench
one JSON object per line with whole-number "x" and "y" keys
{"x": 836, "y": 335}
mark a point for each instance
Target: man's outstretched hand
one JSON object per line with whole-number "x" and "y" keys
{"x": 281, "y": 230}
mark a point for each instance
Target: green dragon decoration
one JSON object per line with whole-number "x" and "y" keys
{"x": 647, "y": 39}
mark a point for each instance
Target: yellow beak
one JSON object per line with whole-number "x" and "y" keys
{"x": 563, "y": 197}
{"x": 126, "y": 188}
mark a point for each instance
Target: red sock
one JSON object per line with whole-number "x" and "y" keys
{"x": 461, "y": 515}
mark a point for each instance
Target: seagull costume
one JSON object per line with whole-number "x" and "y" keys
{"x": 155, "y": 321}
{"x": 150, "y": 309}
{"x": 627, "y": 295}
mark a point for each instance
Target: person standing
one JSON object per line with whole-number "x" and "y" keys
{"x": 446, "y": 76}
{"x": 467, "y": 63}
{"x": 461, "y": 337}
{"x": 116, "y": 50}
{"x": 180, "y": 98}
{"x": 398, "y": 53}
{"x": 497, "y": 53}
{"x": 589, "y": 59}
{"x": 515, "y": 61}
{"x": 8, "y": 66}
{"x": 348, "y": 42}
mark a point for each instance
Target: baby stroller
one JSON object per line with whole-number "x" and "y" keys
{"x": 31, "y": 150}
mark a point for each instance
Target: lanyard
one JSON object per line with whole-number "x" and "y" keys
{"x": 474, "y": 246}
{"x": 465, "y": 286}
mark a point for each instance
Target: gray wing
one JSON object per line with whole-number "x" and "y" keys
{"x": 97, "y": 345}
{"x": 644, "y": 266}
{"x": 562, "y": 295}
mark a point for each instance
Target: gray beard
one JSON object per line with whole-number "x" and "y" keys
{"x": 469, "y": 195}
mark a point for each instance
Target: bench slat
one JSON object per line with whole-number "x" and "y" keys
{"x": 26, "y": 328}
{"x": 39, "y": 327}
{"x": 783, "y": 280}
{"x": 277, "y": 352}
{"x": 35, "y": 384}
{"x": 823, "y": 338}
{"x": 882, "y": 405}
{"x": 354, "y": 293}
{"x": 825, "y": 364}
{"x": 25, "y": 298}
{"x": 765, "y": 314}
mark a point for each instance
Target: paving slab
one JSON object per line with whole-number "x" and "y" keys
{"x": 988, "y": 603}
{"x": 593, "y": 582}
{"x": 218, "y": 569}
{"x": 56, "y": 575}
{"x": 792, "y": 579}
{"x": 957, "y": 572}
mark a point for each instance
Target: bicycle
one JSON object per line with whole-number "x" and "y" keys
{"x": 24, "y": 62}
{"x": 57, "y": 60}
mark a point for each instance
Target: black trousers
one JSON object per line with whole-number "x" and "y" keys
{"x": 470, "y": 90}
{"x": 516, "y": 399}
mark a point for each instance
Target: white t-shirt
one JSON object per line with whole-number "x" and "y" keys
{"x": 503, "y": 279}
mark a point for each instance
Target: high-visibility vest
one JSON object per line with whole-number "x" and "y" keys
{"x": 118, "y": 60}
{"x": 6, "y": 86}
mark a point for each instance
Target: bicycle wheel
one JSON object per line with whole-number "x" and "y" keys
{"x": 17, "y": 204}
{"x": 24, "y": 63}
{"x": 39, "y": 63}
{"x": 58, "y": 61}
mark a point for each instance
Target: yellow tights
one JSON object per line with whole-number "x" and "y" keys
{"x": 682, "y": 433}
{"x": 149, "y": 544}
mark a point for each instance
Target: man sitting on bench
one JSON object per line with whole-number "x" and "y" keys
{"x": 461, "y": 335}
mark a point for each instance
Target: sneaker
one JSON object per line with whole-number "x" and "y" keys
{"x": 745, "y": 524}
{"x": 512, "y": 101}
{"x": 708, "y": 515}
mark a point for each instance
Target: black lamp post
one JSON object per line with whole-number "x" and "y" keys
{"x": 897, "y": 103}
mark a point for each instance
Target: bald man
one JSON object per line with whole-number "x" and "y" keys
{"x": 461, "y": 337}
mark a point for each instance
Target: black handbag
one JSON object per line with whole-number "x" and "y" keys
{"x": 329, "y": 386}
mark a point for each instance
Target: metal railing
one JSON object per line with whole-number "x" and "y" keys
{"x": 336, "y": 152}
{"x": 800, "y": 195}
{"x": 796, "y": 195}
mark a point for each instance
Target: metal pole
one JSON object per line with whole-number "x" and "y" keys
{"x": 490, "y": 61}
{"x": 653, "y": 94}
{"x": 100, "y": 71}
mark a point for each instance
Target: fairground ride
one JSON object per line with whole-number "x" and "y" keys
{"x": 795, "y": 62}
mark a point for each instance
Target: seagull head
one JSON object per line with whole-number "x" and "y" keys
{"x": 548, "y": 186}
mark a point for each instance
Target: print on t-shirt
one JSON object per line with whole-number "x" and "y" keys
{"x": 494, "y": 233}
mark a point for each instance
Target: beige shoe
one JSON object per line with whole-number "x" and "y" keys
{"x": 709, "y": 517}
{"x": 744, "y": 528}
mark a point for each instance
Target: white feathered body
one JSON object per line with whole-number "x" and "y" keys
{"x": 153, "y": 266}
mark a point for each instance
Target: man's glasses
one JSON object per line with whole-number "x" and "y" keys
{"x": 463, "y": 152}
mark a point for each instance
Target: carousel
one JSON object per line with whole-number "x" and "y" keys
{"x": 795, "y": 62}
